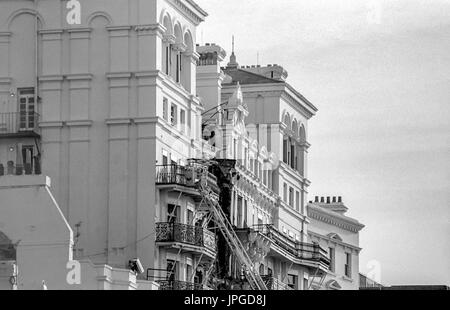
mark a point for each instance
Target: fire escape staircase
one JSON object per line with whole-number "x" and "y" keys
{"x": 211, "y": 200}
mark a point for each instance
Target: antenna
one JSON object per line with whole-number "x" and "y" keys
{"x": 232, "y": 44}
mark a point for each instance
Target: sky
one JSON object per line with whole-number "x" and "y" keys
{"x": 379, "y": 73}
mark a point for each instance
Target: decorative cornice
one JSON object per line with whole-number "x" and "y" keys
{"x": 196, "y": 17}
{"x": 334, "y": 218}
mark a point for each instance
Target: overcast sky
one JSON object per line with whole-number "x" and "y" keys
{"x": 379, "y": 72}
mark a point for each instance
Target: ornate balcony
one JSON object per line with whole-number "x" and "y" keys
{"x": 17, "y": 124}
{"x": 173, "y": 285}
{"x": 274, "y": 284}
{"x": 176, "y": 175}
{"x": 196, "y": 237}
{"x": 299, "y": 250}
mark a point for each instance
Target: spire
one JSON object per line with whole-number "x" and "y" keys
{"x": 233, "y": 63}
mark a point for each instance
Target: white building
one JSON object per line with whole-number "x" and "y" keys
{"x": 339, "y": 234}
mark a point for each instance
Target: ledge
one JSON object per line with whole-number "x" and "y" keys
{"x": 12, "y": 181}
{"x": 79, "y": 123}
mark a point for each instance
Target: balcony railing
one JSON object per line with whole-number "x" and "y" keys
{"x": 19, "y": 124}
{"x": 17, "y": 169}
{"x": 173, "y": 285}
{"x": 274, "y": 284}
{"x": 301, "y": 250}
{"x": 186, "y": 234}
{"x": 177, "y": 175}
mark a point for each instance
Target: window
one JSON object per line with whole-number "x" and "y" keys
{"x": 165, "y": 158}
{"x": 332, "y": 254}
{"x": 171, "y": 270}
{"x": 183, "y": 120}
{"x": 297, "y": 201}
{"x": 245, "y": 213}
{"x": 348, "y": 265}
{"x": 285, "y": 192}
{"x": 173, "y": 115}
{"x": 292, "y": 281}
{"x": 292, "y": 159}
{"x": 291, "y": 197}
{"x": 27, "y": 109}
{"x": 285, "y": 151}
{"x": 305, "y": 284}
{"x": 166, "y": 109}
{"x": 172, "y": 213}
{"x": 239, "y": 212}
{"x": 190, "y": 217}
{"x": 188, "y": 273}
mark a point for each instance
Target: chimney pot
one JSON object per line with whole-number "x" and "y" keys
{"x": 340, "y": 199}
{"x": 317, "y": 199}
{"x": 322, "y": 199}
{"x": 334, "y": 199}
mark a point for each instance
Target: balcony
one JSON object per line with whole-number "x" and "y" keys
{"x": 274, "y": 284}
{"x": 15, "y": 124}
{"x": 176, "y": 175}
{"x": 299, "y": 250}
{"x": 195, "y": 237}
{"x": 174, "y": 285}
{"x": 16, "y": 169}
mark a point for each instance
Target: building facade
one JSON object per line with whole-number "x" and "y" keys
{"x": 97, "y": 95}
{"x": 339, "y": 235}
{"x": 125, "y": 114}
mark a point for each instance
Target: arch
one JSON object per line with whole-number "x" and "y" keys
{"x": 97, "y": 14}
{"x": 188, "y": 41}
{"x": 166, "y": 21}
{"x": 295, "y": 128}
{"x": 287, "y": 120}
{"x": 24, "y": 11}
{"x": 178, "y": 33}
{"x": 302, "y": 133}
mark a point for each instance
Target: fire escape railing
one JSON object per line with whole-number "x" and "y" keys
{"x": 301, "y": 250}
{"x": 274, "y": 284}
{"x": 177, "y": 175}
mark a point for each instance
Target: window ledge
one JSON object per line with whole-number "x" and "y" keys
{"x": 347, "y": 279}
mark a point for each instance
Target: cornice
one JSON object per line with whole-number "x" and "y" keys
{"x": 334, "y": 218}
{"x": 196, "y": 17}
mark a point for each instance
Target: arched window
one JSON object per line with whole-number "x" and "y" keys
{"x": 186, "y": 63}
{"x": 168, "y": 40}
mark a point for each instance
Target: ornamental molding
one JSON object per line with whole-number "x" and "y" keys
{"x": 337, "y": 220}
{"x": 188, "y": 12}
